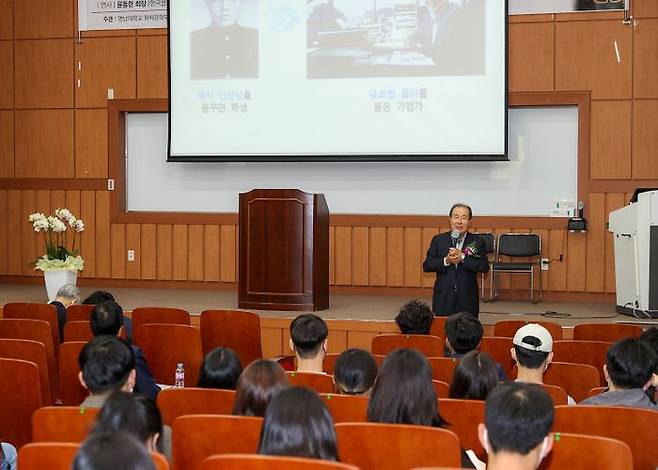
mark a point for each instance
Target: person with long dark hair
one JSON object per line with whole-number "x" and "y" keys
{"x": 109, "y": 451}
{"x": 221, "y": 369}
{"x": 258, "y": 384}
{"x": 298, "y": 424}
{"x": 474, "y": 377}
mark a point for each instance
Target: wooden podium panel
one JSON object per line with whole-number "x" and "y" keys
{"x": 284, "y": 250}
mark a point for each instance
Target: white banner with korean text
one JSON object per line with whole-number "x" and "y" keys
{"x": 121, "y": 14}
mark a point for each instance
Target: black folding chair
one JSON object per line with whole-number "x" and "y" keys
{"x": 518, "y": 245}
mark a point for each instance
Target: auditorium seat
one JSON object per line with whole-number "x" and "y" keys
{"x": 378, "y": 446}
{"x": 329, "y": 362}
{"x": 320, "y": 383}
{"x": 196, "y": 437}
{"x": 557, "y": 394}
{"x": 430, "y": 346}
{"x": 168, "y": 315}
{"x": 31, "y": 351}
{"x": 610, "y": 332}
{"x": 47, "y": 455}
{"x": 346, "y": 408}
{"x": 269, "y": 462}
{"x": 500, "y": 349}
{"x": 175, "y": 402}
{"x": 166, "y": 345}
{"x": 596, "y": 391}
{"x": 507, "y": 328}
{"x": 438, "y": 327}
{"x": 79, "y": 312}
{"x": 580, "y": 451}
{"x": 62, "y": 423}
{"x": 35, "y": 311}
{"x": 235, "y": 329}
{"x": 463, "y": 417}
{"x": 159, "y": 461}
{"x": 443, "y": 368}
{"x": 582, "y": 352}
{"x": 575, "y": 379}
{"x": 78, "y": 331}
{"x": 71, "y": 390}
{"x": 19, "y": 398}
{"x": 442, "y": 389}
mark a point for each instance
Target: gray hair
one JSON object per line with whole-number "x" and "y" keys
{"x": 69, "y": 291}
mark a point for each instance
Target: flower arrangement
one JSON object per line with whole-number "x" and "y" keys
{"x": 54, "y": 229}
{"x": 471, "y": 249}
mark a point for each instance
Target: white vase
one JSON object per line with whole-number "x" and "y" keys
{"x": 56, "y": 278}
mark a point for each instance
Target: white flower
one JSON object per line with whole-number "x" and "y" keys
{"x": 63, "y": 214}
{"x": 79, "y": 225}
{"x": 56, "y": 225}
{"x": 72, "y": 221}
{"x": 39, "y": 222}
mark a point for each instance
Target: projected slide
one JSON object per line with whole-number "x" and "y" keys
{"x": 337, "y": 79}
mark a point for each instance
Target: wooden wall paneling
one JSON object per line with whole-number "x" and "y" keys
{"x": 3, "y": 231}
{"x": 545, "y": 253}
{"x": 613, "y": 201}
{"x": 118, "y": 250}
{"x": 610, "y": 154}
{"x": 531, "y": 52}
{"x": 91, "y": 143}
{"x": 412, "y": 257}
{"x": 149, "y": 257}
{"x": 6, "y": 19}
{"x": 360, "y": 252}
{"x": 585, "y": 58}
{"x": 343, "y": 256}
{"x": 73, "y": 203}
{"x": 6, "y": 144}
{"x": 596, "y": 219}
{"x": 337, "y": 341}
{"x": 271, "y": 341}
{"x": 428, "y": 234}
{"x": 133, "y": 242}
{"x": 14, "y": 260}
{"x": 195, "y": 253}
{"x": 576, "y": 262}
{"x": 152, "y": 67}
{"x": 43, "y": 19}
{"x": 332, "y": 256}
{"x": 41, "y": 204}
{"x": 557, "y": 244}
{"x": 394, "y": 256}
{"x": 102, "y": 234}
{"x": 645, "y": 139}
{"x": 88, "y": 242}
{"x": 164, "y": 252}
{"x": 228, "y": 253}
{"x": 645, "y": 58}
{"x": 377, "y": 262}
{"x": 503, "y": 280}
{"x": 211, "y": 253}
{"x": 179, "y": 253}
{"x": 57, "y": 200}
{"x": 28, "y": 248}
{"x": 105, "y": 63}
{"x": 44, "y": 143}
{"x": 6, "y": 74}
{"x": 645, "y": 8}
{"x": 520, "y": 281}
{"x": 36, "y": 60}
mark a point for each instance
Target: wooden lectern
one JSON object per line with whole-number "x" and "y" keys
{"x": 284, "y": 250}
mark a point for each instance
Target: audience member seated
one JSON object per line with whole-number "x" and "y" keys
{"x": 107, "y": 365}
{"x": 463, "y": 334}
{"x": 8, "y": 457}
{"x": 111, "y": 451}
{"x": 107, "y": 319}
{"x": 475, "y": 377}
{"x": 221, "y": 369}
{"x": 298, "y": 424}
{"x": 517, "y": 420}
{"x": 629, "y": 370}
{"x": 650, "y": 336}
{"x": 415, "y": 318}
{"x": 308, "y": 340}
{"x": 403, "y": 394}
{"x": 533, "y": 352}
{"x": 258, "y": 384}
{"x": 67, "y": 295}
{"x": 355, "y": 372}
{"x": 100, "y": 296}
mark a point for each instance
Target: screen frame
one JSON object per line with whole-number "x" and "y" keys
{"x": 247, "y": 158}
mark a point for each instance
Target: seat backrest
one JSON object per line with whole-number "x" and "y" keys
{"x": 19, "y": 398}
{"x": 72, "y": 392}
{"x": 50, "y": 455}
{"x": 430, "y": 346}
{"x": 609, "y": 332}
{"x": 175, "y": 402}
{"x": 463, "y": 417}
{"x": 507, "y": 328}
{"x": 329, "y": 362}
{"x": 320, "y": 383}
{"x": 346, "y": 408}
{"x": 582, "y": 352}
{"x": 16, "y": 310}
{"x": 579, "y": 451}
{"x": 160, "y": 461}
{"x": 519, "y": 244}
{"x": 168, "y": 315}
{"x": 557, "y": 394}
{"x": 500, "y": 349}
{"x": 615, "y": 422}
{"x": 31, "y": 351}
{"x": 81, "y": 312}
{"x": 62, "y": 423}
{"x": 438, "y": 327}
{"x": 442, "y": 389}
{"x": 443, "y": 368}
{"x": 197, "y": 437}
{"x": 44, "y": 312}
{"x": 269, "y": 462}
{"x": 164, "y": 346}
{"x": 489, "y": 241}
{"x": 78, "y": 331}
{"x": 396, "y": 446}
{"x": 575, "y": 379}
{"x": 594, "y": 391}
{"x": 235, "y": 329}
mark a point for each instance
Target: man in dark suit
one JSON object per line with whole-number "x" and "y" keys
{"x": 224, "y": 49}
{"x": 456, "y": 257}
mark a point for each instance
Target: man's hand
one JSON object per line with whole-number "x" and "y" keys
{"x": 454, "y": 256}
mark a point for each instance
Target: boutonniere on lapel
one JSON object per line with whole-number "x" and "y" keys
{"x": 471, "y": 249}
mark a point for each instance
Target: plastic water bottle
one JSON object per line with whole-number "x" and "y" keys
{"x": 179, "y": 381}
